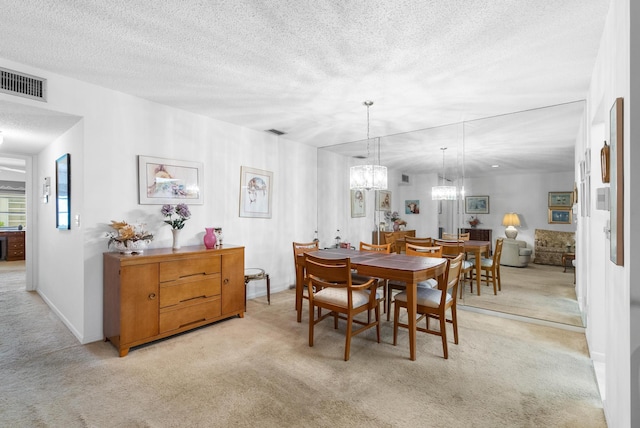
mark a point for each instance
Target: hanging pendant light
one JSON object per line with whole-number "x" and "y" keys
{"x": 368, "y": 177}
{"x": 443, "y": 193}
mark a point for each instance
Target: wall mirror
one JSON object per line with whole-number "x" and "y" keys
{"x": 415, "y": 164}
{"x": 63, "y": 192}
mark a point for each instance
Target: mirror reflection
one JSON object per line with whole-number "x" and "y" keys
{"x": 501, "y": 165}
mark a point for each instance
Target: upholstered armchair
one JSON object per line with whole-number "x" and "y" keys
{"x": 515, "y": 253}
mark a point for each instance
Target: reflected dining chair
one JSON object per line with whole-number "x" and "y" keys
{"x": 490, "y": 268}
{"x": 390, "y": 238}
{"x": 300, "y": 248}
{"x": 450, "y": 250}
{"x": 412, "y": 250}
{"x": 330, "y": 287}
{"x": 434, "y": 303}
{"x": 424, "y": 242}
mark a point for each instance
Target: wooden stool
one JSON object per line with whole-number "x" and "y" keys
{"x": 252, "y": 274}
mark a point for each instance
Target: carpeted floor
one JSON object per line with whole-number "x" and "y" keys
{"x": 260, "y": 371}
{"x": 537, "y": 291}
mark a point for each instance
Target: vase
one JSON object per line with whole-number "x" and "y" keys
{"x": 209, "y": 238}
{"x": 396, "y": 227}
{"x": 176, "y": 239}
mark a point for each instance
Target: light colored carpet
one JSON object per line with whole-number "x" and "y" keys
{"x": 537, "y": 291}
{"x": 260, "y": 371}
{"x": 12, "y": 275}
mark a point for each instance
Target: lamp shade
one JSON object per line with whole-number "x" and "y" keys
{"x": 511, "y": 220}
{"x": 368, "y": 177}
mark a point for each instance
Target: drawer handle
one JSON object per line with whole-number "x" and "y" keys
{"x": 193, "y": 298}
{"x": 152, "y": 296}
{"x": 193, "y": 274}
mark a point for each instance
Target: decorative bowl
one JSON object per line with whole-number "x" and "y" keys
{"x": 131, "y": 247}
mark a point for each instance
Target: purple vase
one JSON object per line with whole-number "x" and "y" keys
{"x": 209, "y": 238}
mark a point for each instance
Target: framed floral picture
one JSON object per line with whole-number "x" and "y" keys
{"x": 358, "y": 203}
{"x": 384, "y": 200}
{"x": 168, "y": 181}
{"x": 255, "y": 192}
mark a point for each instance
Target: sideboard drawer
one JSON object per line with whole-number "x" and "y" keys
{"x": 176, "y": 292}
{"x": 176, "y": 317}
{"x": 172, "y": 270}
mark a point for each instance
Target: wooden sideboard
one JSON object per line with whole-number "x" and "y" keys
{"x": 163, "y": 292}
{"x": 476, "y": 234}
{"x": 14, "y": 245}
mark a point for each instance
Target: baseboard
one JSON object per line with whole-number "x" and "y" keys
{"x": 568, "y": 327}
{"x": 61, "y": 316}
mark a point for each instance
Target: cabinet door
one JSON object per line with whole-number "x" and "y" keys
{"x": 233, "y": 282}
{"x": 139, "y": 294}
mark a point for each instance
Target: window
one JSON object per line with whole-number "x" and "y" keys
{"x": 13, "y": 210}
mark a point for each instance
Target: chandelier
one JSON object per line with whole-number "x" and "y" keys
{"x": 368, "y": 177}
{"x": 443, "y": 193}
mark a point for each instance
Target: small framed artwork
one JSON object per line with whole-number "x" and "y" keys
{"x": 63, "y": 192}
{"x": 476, "y": 204}
{"x": 604, "y": 162}
{"x": 412, "y": 206}
{"x": 358, "y": 204}
{"x": 255, "y": 192}
{"x": 560, "y": 215}
{"x": 561, "y": 199}
{"x": 167, "y": 181}
{"x": 384, "y": 200}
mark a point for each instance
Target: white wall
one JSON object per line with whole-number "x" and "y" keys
{"x": 525, "y": 194}
{"x": 616, "y": 338}
{"x": 116, "y": 128}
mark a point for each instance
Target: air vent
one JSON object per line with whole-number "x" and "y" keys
{"x": 405, "y": 179}
{"x": 276, "y": 132}
{"x": 23, "y": 85}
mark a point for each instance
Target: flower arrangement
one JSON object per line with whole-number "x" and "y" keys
{"x": 181, "y": 210}
{"x": 394, "y": 218}
{"x": 125, "y": 233}
{"x": 474, "y": 221}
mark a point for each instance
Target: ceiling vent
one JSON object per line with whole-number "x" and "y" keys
{"x": 276, "y": 132}
{"x": 23, "y": 85}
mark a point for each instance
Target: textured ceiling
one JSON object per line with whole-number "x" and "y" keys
{"x": 305, "y": 67}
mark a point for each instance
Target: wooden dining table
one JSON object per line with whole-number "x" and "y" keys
{"x": 399, "y": 267}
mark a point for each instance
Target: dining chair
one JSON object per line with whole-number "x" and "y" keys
{"x": 425, "y": 242}
{"x": 330, "y": 287}
{"x": 374, "y": 248}
{"x": 434, "y": 303}
{"x": 450, "y": 250}
{"x": 390, "y": 238}
{"x": 490, "y": 268}
{"x": 300, "y": 248}
{"x": 412, "y": 250}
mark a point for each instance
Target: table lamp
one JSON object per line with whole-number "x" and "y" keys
{"x": 511, "y": 220}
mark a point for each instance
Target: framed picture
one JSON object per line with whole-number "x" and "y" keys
{"x": 412, "y": 206}
{"x": 358, "y": 204}
{"x": 616, "y": 180}
{"x": 561, "y": 199}
{"x": 476, "y": 204}
{"x": 255, "y": 192}
{"x": 63, "y": 192}
{"x": 560, "y": 216}
{"x": 168, "y": 181}
{"x": 384, "y": 200}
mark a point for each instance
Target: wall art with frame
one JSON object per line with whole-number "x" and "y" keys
{"x": 476, "y": 204}
{"x": 616, "y": 180}
{"x": 412, "y": 206}
{"x": 63, "y": 192}
{"x": 560, "y": 215}
{"x": 561, "y": 199}
{"x": 358, "y": 203}
{"x": 168, "y": 181}
{"x": 256, "y": 187}
{"x": 384, "y": 200}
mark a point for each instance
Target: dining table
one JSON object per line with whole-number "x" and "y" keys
{"x": 399, "y": 267}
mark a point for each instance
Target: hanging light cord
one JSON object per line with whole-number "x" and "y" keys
{"x": 368, "y": 104}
